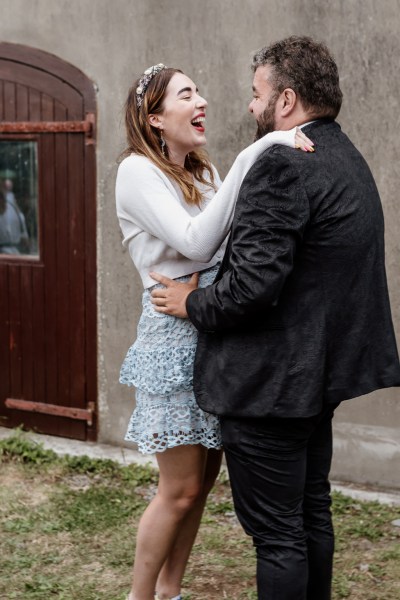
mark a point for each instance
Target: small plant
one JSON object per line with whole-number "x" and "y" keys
{"x": 221, "y": 508}
{"x": 93, "y": 466}
{"x": 21, "y": 449}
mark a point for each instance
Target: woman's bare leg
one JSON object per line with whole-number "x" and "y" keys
{"x": 181, "y": 472}
{"x": 171, "y": 575}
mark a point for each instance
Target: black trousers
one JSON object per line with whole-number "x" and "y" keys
{"x": 279, "y": 471}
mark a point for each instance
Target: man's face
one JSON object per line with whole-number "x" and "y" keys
{"x": 263, "y": 105}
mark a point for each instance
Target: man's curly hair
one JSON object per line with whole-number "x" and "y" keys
{"x": 308, "y": 68}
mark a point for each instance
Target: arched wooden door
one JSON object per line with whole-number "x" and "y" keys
{"x": 48, "y": 374}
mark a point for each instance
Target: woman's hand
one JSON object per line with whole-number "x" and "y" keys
{"x": 302, "y": 142}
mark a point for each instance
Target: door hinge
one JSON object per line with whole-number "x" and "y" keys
{"x": 87, "y": 127}
{"x": 82, "y": 414}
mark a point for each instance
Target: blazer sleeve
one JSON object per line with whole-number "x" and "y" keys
{"x": 271, "y": 215}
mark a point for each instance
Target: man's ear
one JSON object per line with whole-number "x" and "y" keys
{"x": 155, "y": 121}
{"x": 288, "y": 102}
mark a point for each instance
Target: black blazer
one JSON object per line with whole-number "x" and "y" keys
{"x": 299, "y": 314}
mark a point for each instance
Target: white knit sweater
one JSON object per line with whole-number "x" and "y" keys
{"x": 164, "y": 233}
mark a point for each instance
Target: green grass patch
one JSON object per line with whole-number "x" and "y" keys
{"x": 95, "y": 509}
{"x": 68, "y": 525}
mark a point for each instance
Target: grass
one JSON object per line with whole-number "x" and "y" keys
{"x": 67, "y": 531}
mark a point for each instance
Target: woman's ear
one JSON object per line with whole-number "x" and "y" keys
{"x": 155, "y": 121}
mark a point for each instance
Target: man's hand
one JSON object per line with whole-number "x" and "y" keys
{"x": 171, "y": 300}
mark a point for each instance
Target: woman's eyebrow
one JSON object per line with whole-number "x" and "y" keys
{"x": 186, "y": 89}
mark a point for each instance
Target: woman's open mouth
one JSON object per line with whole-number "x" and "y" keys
{"x": 198, "y": 123}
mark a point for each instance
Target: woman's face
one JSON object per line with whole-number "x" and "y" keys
{"x": 182, "y": 120}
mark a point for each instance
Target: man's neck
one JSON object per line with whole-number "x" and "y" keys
{"x": 308, "y": 123}
{"x": 299, "y": 118}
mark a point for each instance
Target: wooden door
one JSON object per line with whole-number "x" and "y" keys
{"x": 48, "y": 371}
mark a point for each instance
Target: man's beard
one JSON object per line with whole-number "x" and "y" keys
{"x": 266, "y": 121}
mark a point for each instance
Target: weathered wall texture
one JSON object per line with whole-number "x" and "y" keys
{"x": 213, "y": 42}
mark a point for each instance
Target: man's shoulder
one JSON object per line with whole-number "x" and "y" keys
{"x": 276, "y": 161}
{"x": 322, "y": 127}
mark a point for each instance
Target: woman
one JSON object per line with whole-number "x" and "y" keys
{"x": 174, "y": 223}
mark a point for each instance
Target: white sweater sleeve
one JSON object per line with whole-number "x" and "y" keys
{"x": 144, "y": 200}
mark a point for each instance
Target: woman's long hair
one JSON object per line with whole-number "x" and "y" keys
{"x": 144, "y": 139}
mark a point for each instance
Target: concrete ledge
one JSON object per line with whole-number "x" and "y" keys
{"x": 391, "y": 497}
{"x": 367, "y": 455}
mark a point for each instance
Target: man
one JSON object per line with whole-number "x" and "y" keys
{"x": 297, "y": 321}
{"x": 13, "y": 232}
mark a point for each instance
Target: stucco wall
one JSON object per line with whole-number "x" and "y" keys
{"x": 213, "y": 42}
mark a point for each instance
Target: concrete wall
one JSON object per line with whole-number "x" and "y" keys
{"x": 213, "y": 42}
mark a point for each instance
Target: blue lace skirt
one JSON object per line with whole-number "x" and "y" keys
{"x": 160, "y": 366}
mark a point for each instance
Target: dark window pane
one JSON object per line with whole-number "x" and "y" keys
{"x": 18, "y": 198}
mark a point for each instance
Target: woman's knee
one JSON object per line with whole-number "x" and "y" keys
{"x": 184, "y": 487}
{"x": 182, "y": 500}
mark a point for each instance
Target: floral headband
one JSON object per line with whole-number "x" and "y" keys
{"x": 145, "y": 80}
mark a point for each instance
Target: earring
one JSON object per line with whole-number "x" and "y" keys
{"x": 163, "y": 144}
